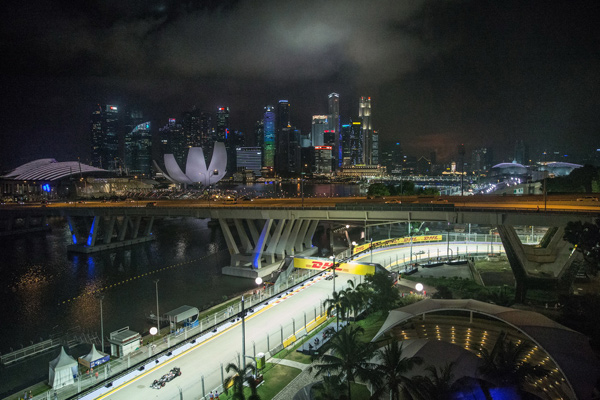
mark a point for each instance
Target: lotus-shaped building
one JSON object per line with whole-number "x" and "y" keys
{"x": 195, "y": 168}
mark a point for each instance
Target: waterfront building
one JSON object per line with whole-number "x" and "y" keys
{"x": 321, "y": 160}
{"x": 362, "y": 171}
{"x": 104, "y": 129}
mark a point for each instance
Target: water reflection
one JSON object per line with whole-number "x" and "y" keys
{"x": 46, "y": 290}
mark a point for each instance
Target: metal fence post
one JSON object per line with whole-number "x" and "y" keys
{"x": 203, "y": 389}
{"x": 305, "y": 321}
{"x": 293, "y": 326}
{"x": 268, "y": 345}
{"x": 222, "y": 374}
{"x": 281, "y": 326}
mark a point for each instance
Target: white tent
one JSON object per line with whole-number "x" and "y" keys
{"x": 62, "y": 370}
{"x": 93, "y": 358}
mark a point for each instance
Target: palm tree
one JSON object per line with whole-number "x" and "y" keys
{"x": 237, "y": 380}
{"x": 505, "y": 365}
{"x": 338, "y": 303}
{"x": 392, "y": 372}
{"x": 347, "y": 357}
{"x": 355, "y": 297}
{"x": 439, "y": 385}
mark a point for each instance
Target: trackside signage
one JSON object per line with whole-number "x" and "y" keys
{"x": 396, "y": 241}
{"x": 323, "y": 264}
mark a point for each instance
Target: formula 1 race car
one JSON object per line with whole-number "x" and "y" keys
{"x": 168, "y": 377}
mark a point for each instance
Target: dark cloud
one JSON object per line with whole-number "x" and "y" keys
{"x": 478, "y": 72}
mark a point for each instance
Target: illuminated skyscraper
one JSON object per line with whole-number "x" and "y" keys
{"x": 352, "y": 145}
{"x": 138, "y": 150}
{"x": 105, "y": 136}
{"x": 364, "y": 112}
{"x": 334, "y": 125}
{"x": 269, "y": 137}
{"x": 320, "y": 124}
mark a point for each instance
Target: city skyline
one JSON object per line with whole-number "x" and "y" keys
{"x": 438, "y": 73}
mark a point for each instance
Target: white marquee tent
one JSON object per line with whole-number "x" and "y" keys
{"x": 62, "y": 370}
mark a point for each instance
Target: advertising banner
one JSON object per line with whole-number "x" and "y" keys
{"x": 396, "y": 241}
{"x": 355, "y": 268}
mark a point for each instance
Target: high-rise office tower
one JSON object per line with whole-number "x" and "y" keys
{"x": 352, "y": 146}
{"x": 138, "y": 149}
{"x": 375, "y": 148}
{"x": 222, "y": 122}
{"x": 269, "y": 137}
{"x": 287, "y": 157}
{"x": 224, "y": 134}
{"x": 364, "y": 112}
{"x": 249, "y": 158}
{"x": 320, "y": 124}
{"x": 283, "y": 115}
{"x": 334, "y": 125}
{"x": 198, "y": 129}
{"x": 172, "y": 141}
{"x": 105, "y": 136}
{"x": 283, "y": 137}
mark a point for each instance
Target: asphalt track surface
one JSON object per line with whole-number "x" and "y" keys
{"x": 205, "y": 359}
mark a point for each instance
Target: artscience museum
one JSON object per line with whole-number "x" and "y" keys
{"x": 196, "y": 171}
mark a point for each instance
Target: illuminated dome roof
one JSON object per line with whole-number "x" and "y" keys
{"x": 510, "y": 168}
{"x": 48, "y": 169}
{"x": 560, "y": 168}
{"x": 195, "y": 169}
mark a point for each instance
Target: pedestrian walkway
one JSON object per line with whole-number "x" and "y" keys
{"x": 290, "y": 363}
{"x": 305, "y": 378}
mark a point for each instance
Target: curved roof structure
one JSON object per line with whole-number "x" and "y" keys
{"x": 48, "y": 169}
{"x": 560, "y": 168}
{"x": 195, "y": 169}
{"x": 569, "y": 350}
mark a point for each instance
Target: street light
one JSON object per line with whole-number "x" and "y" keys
{"x": 333, "y": 268}
{"x": 371, "y": 249}
{"x": 352, "y": 249}
{"x": 101, "y": 297}
{"x": 157, "y": 314}
{"x": 419, "y": 287}
{"x": 258, "y": 281}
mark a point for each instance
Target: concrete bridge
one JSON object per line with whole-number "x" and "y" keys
{"x": 260, "y": 237}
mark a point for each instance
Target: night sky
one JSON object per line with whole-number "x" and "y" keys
{"x": 440, "y": 73}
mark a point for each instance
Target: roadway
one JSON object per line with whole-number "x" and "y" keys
{"x": 530, "y": 203}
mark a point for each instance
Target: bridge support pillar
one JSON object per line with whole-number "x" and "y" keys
{"x": 281, "y": 246}
{"x": 290, "y": 245}
{"x": 310, "y": 233}
{"x": 258, "y": 250}
{"x": 99, "y": 232}
{"x": 539, "y": 266}
{"x": 274, "y": 241}
{"x": 299, "y": 245}
{"x": 239, "y": 226}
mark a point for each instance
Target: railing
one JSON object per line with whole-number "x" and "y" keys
{"x": 28, "y": 351}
